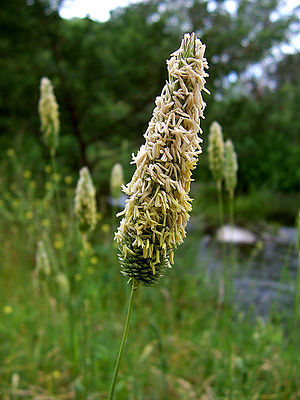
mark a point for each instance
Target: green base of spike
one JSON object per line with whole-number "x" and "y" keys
{"x": 144, "y": 270}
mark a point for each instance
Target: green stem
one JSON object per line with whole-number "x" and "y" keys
{"x": 230, "y": 289}
{"x": 123, "y": 342}
{"x": 231, "y": 218}
{"x": 221, "y": 219}
{"x": 54, "y": 173}
{"x": 163, "y": 360}
{"x": 55, "y": 187}
{"x": 220, "y": 203}
{"x": 73, "y": 342}
{"x": 84, "y": 344}
{"x": 83, "y": 305}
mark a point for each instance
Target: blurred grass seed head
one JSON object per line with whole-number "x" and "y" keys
{"x": 216, "y": 151}
{"x": 49, "y": 115}
{"x": 116, "y": 180}
{"x": 42, "y": 259}
{"x": 85, "y": 202}
{"x": 231, "y": 167}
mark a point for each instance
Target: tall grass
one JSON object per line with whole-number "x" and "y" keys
{"x": 61, "y": 312}
{"x": 180, "y": 334}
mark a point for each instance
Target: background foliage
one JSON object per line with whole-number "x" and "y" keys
{"x": 106, "y": 76}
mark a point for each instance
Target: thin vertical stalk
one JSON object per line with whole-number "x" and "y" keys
{"x": 123, "y": 341}
{"x": 72, "y": 333}
{"x": 231, "y": 219}
{"x": 227, "y": 285}
{"x": 230, "y": 370}
{"x": 163, "y": 360}
{"x": 84, "y": 345}
{"x": 83, "y": 305}
{"x": 54, "y": 193}
{"x": 230, "y": 291}
{"x": 221, "y": 221}
{"x": 220, "y": 203}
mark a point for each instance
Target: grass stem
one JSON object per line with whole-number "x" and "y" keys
{"x": 221, "y": 221}
{"x": 232, "y": 258}
{"x": 123, "y": 342}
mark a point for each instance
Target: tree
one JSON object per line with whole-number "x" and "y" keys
{"x": 106, "y": 75}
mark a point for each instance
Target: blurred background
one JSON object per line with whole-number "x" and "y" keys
{"x": 107, "y": 74}
{"x": 106, "y": 61}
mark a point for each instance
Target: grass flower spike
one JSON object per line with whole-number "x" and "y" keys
{"x": 48, "y": 109}
{"x": 231, "y": 167}
{"x": 85, "y": 202}
{"x": 42, "y": 259}
{"x": 63, "y": 284}
{"x": 216, "y": 152}
{"x": 158, "y": 207}
{"x": 116, "y": 180}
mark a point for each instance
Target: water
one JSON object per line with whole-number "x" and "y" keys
{"x": 264, "y": 274}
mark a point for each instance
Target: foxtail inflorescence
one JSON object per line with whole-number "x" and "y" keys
{"x": 49, "y": 115}
{"x": 85, "y": 202}
{"x": 216, "y": 152}
{"x": 231, "y": 167}
{"x": 158, "y": 206}
{"x": 42, "y": 259}
{"x": 116, "y": 181}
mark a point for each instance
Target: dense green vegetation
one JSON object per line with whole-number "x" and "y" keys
{"x": 60, "y": 326}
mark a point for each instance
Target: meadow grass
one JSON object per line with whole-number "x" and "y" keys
{"x": 60, "y": 342}
{"x": 63, "y": 306}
